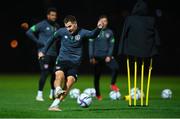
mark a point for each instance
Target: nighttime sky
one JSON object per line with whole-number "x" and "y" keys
{"x": 13, "y": 13}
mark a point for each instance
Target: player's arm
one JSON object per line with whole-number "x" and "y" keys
{"x": 94, "y": 33}
{"x": 111, "y": 41}
{"x": 111, "y": 45}
{"x": 31, "y": 34}
{"x": 50, "y": 41}
{"x": 91, "y": 51}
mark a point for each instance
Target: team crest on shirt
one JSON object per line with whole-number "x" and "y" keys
{"x": 107, "y": 35}
{"x": 77, "y": 37}
{"x": 66, "y": 37}
{"x": 47, "y": 28}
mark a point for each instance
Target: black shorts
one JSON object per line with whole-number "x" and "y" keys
{"x": 69, "y": 68}
{"x": 47, "y": 63}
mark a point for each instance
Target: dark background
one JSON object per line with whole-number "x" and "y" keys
{"x": 23, "y": 58}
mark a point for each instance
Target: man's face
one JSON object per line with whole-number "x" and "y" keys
{"x": 105, "y": 22}
{"x": 71, "y": 27}
{"x": 52, "y": 16}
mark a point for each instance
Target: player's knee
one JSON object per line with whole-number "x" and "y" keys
{"x": 59, "y": 74}
{"x": 70, "y": 80}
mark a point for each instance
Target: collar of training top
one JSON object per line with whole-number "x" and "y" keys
{"x": 51, "y": 22}
{"x": 76, "y": 32}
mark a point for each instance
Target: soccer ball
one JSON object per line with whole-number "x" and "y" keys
{"x": 74, "y": 93}
{"x": 166, "y": 94}
{"x": 90, "y": 91}
{"x": 84, "y": 100}
{"x": 114, "y": 95}
{"x": 138, "y": 93}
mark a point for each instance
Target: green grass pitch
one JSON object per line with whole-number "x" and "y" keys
{"x": 17, "y": 99}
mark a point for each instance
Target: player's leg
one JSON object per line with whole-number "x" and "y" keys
{"x": 58, "y": 83}
{"x": 97, "y": 74}
{"x": 51, "y": 94}
{"x": 113, "y": 65}
{"x": 71, "y": 79}
{"x": 72, "y": 74}
{"x": 51, "y": 68}
{"x": 44, "y": 74}
{"x": 69, "y": 83}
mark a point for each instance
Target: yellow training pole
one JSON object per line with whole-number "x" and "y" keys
{"x": 129, "y": 80}
{"x": 148, "y": 84}
{"x": 135, "y": 80}
{"x": 142, "y": 81}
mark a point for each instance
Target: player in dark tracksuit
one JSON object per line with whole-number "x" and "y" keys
{"x": 101, "y": 53}
{"x": 40, "y": 33}
{"x": 69, "y": 57}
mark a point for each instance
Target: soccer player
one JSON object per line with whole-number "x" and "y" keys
{"x": 40, "y": 33}
{"x": 69, "y": 57}
{"x": 101, "y": 53}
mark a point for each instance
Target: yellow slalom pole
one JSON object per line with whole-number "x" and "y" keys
{"x": 148, "y": 84}
{"x": 142, "y": 81}
{"x": 129, "y": 80}
{"x": 135, "y": 80}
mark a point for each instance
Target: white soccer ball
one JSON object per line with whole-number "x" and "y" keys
{"x": 90, "y": 91}
{"x": 138, "y": 93}
{"x": 166, "y": 94}
{"x": 74, "y": 93}
{"x": 84, "y": 100}
{"x": 114, "y": 95}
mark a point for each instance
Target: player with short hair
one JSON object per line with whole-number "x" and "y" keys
{"x": 69, "y": 58}
{"x": 101, "y": 53}
{"x": 40, "y": 33}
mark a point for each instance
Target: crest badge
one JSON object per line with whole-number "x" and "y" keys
{"x": 47, "y": 28}
{"x": 66, "y": 37}
{"x": 107, "y": 35}
{"x": 77, "y": 37}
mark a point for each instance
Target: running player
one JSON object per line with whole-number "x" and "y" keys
{"x": 69, "y": 58}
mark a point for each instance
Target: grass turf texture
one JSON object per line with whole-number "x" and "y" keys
{"x": 17, "y": 99}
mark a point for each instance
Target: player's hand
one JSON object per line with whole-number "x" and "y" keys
{"x": 40, "y": 55}
{"x": 107, "y": 59}
{"x": 100, "y": 24}
{"x": 93, "y": 61}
